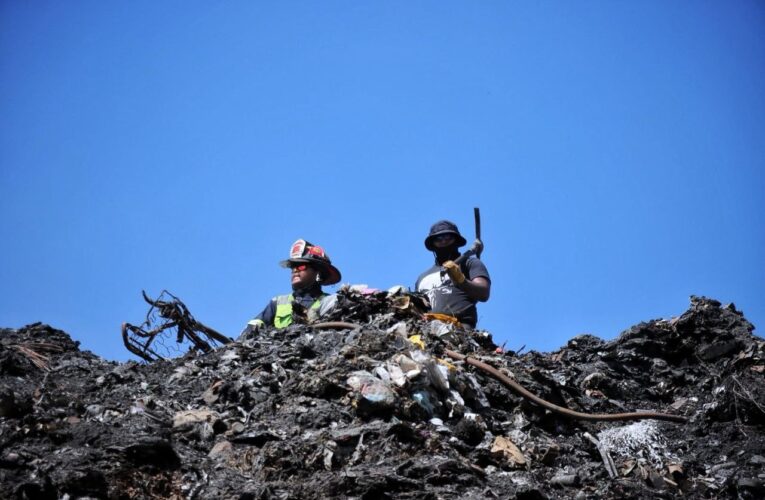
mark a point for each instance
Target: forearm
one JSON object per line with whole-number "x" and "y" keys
{"x": 265, "y": 318}
{"x": 477, "y": 289}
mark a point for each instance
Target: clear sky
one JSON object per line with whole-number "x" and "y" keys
{"x": 616, "y": 150}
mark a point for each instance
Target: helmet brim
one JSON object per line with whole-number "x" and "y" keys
{"x": 329, "y": 273}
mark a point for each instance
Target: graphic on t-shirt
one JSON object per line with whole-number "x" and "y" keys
{"x": 436, "y": 285}
{"x": 445, "y": 297}
{"x": 434, "y": 280}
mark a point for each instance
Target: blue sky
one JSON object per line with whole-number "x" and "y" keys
{"x": 616, "y": 150}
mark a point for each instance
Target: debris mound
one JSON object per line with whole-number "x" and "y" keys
{"x": 370, "y": 405}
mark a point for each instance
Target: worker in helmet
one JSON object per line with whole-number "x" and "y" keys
{"x": 453, "y": 289}
{"x": 310, "y": 269}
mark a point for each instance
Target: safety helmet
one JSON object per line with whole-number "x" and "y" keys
{"x": 444, "y": 227}
{"x": 303, "y": 252}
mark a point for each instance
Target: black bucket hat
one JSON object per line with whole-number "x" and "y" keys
{"x": 303, "y": 252}
{"x": 444, "y": 227}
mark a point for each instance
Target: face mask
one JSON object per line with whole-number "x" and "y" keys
{"x": 444, "y": 254}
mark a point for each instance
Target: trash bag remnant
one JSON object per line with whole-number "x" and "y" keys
{"x": 168, "y": 317}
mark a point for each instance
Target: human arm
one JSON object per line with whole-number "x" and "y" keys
{"x": 478, "y": 286}
{"x": 266, "y": 317}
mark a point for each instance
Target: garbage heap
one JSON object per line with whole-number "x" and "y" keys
{"x": 378, "y": 411}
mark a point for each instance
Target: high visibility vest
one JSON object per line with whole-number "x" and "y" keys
{"x": 283, "y": 316}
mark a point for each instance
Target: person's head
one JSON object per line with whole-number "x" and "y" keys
{"x": 310, "y": 264}
{"x": 444, "y": 239}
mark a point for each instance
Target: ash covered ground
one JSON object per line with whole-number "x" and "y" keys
{"x": 380, "y": 411}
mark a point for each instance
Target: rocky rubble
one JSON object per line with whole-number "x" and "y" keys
{"x": 378, "y": 411}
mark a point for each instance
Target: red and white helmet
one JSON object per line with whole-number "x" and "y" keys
{"x": 303, "y": 252}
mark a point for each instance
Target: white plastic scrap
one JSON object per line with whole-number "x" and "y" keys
{"x": 518, "y": 436}
{"x": 179, "y": 374}
{"x": 419, "y": 356}
{"x": 378, "y": 393}
{"x": 559, "y": 378}
{"x": 359, "y": 379}
{"x": 396, "y": 374}
{"x": 519, "y": 421}
{"x": 406, "y": 363}
{"x": 444, "y": 372}
{"x": 397, "y": 290}
{"x": 382, "y": 373}
{"x": 439, "y": 328}
{"x": 399, "y": 328}
{"x": 641, "y": 440}
{"x": 438, "y": 378}
{"x": 457, "y": 397}
{"x": 229, "y": 355}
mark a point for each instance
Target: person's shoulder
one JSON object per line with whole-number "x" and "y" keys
{"x": 474, "y": 260}
{"x": 432, "y": 269}
{"x": 476, "y": 267}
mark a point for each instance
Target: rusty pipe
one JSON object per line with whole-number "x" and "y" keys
{"x": 518, "y": 388}
{"x": 336, "y": 325}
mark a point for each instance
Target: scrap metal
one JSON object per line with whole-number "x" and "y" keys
{"x": 167, "y": 315}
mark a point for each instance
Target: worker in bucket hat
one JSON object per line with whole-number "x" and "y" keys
{"x": 453, "y": 289}
{"x": 310, "y": 268}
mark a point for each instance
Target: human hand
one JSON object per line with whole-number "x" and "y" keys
{"x": 454, "y": 272}
{"x": 252, "y": 330}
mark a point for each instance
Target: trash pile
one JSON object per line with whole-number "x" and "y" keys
{"x": 370, "y": 404}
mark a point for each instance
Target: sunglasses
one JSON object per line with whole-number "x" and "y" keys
{"x": 444, "y": 237}
{"x": 299, "y": 267}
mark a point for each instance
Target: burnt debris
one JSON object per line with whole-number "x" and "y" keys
{"x": 168, "y": 318}
{"x": 371, "y": 405}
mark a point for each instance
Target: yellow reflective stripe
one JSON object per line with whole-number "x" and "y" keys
{"x": 283, "y": 316}
{"x": 256, "y": 322}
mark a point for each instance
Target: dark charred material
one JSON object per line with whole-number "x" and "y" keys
{"x": 381, "y": 411}
{"x": 563, "y": 411}
{"x": 168, "y": 317}
{"x": 515, "y": 386}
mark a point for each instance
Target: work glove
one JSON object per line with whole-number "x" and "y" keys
{"x": 252, "y": 330}
{"x": 454, "y": 272}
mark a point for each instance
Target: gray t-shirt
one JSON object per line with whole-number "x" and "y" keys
{"x": 448, "y": 299}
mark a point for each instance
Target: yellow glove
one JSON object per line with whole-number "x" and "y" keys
{"x": 454, "y": 272}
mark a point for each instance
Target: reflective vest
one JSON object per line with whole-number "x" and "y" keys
{"x": 283, "y": 316}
